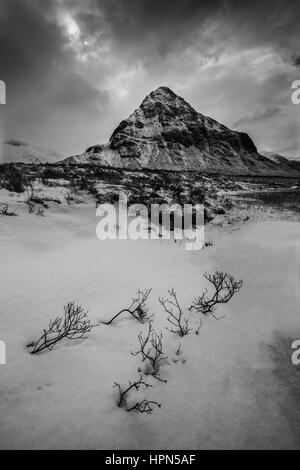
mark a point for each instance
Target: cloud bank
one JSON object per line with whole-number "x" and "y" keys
{"x": 75, "y": 69}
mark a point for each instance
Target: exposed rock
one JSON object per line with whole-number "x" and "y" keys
{"x": 95, "y": 149}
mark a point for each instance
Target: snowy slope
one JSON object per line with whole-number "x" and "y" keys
{"x": 237, "y": 388}
{"x": 22, "y": 152}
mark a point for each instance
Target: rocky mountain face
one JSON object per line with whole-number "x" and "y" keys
{"x": 15, "y": 151}
{"x": 166, "y": 133}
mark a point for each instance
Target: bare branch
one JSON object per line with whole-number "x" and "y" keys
{"x": 137, "y": 309}
{"x": 199, "y": 328}
{"x": 73, "y": 325}
{"x": 151, "y": 349}
{"x": 178, "y": 352}
{"x": 143, "y": 406}
{"x": 225, "y": 286}
{"x": 176, "y": 319}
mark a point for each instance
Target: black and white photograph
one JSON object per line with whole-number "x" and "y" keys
{"x": 149, "y": 227}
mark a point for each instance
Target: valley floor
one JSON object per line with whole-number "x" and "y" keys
{"x": 233, "y": 386}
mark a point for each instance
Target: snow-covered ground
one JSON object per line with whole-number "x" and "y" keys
{"x": 234, "y": 385}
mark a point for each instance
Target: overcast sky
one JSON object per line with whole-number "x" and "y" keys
{"x": 74, "y": 69}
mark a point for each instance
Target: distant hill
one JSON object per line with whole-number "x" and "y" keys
{"x": 275, "y": 157}
{"x": 166, "y": 133}
{"x": 15, "y": 151}
{"x": 285, "y": 162}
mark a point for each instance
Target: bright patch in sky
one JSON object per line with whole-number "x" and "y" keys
{"x": 70, "y": 26}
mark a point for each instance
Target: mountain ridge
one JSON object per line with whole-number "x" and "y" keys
{"x": 167, "y": 133}
{"x": 293, "y": 163}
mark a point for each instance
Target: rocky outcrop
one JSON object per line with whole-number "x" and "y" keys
{"x": 166, "y": 133}
{"x": 166, "y": 127}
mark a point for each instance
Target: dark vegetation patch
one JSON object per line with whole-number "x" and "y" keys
{"x": 285, "y": 199}
{"x": 151, "y": 186}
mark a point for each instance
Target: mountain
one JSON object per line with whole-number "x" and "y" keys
{"x": 15, "y": 151}
{"x": 166, "y": 133}
{"x": 294, "y": 164}
{"x": 276, "y": 157}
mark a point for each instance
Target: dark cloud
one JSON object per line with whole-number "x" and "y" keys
{"x": 84, "y": 66}
{"x": 30, "y": 44}
{"x": 296, "y": 60}
{"x": 157, "y": 27}
{"x": 39, "y": 67}
{"x": 160, "y": 27}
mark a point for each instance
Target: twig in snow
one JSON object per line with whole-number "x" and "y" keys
{"x": 175, "y": 318}
{"x": 151, "y": 349}
{"x": 225, "y": 286}
{"x": 73, "y": 325}
{"x": 137, "y": 308}
{"x": 143, "y": 406}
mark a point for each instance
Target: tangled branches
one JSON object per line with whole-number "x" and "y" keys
{"x": 143, "y": 406}
{"x": 176, "y": 319}
{"x": 73, "y": 325}
{"x": 225, "y": 286}
{"x": 137, "y": 308}
{"x": 151, "y": 349}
